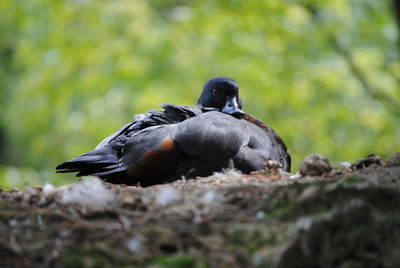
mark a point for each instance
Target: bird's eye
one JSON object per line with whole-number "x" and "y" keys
{"x": 214, "y": 92}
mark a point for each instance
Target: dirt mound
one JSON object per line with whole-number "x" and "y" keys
{"x": 346, "y": 216}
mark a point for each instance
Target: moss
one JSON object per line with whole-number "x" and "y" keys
{"x": 287, "y": 203}
{"x": 87, "y": 256}
{"x": 293, "y": 210}
{"x": 180, "y": 261}
{"x": 350, "y": 181}
{"x": 251, "y": 237}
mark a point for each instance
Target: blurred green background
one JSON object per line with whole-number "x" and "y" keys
{"x": 324, "y": 74}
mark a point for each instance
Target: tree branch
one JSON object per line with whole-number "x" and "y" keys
{"x": 396, "y": 10}
{"x": 388, "y": 101}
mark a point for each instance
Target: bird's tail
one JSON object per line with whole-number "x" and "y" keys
{"x": 100, "y": 162}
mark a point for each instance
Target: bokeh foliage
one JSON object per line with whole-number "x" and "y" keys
{"x": 324, "y": 74}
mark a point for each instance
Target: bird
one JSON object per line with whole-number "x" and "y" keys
{"x": 178, "y": 141}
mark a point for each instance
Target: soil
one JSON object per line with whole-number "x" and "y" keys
{"x": 346, "y": 216}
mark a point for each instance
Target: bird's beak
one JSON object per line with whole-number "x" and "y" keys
{"x": 232, "y": 107}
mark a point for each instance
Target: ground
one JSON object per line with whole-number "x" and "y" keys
{"x": 343, "y": 217}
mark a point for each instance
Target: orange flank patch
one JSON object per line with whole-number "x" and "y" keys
{"x": 166, "y": 151}
{"x": 167, "y": 144}
{"x": 160, "y": 161}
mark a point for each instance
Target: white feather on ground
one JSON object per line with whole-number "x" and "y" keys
{"x": 228, "y": 172}
{"x": 167, "y": 194}
{"x": 135, "y": 244}
{"x": 48, "y": 188}
{"x": 89, "y": 192}
{"x": 208, "y": 197}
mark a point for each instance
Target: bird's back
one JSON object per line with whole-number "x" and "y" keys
{"x": 215, "y": 141}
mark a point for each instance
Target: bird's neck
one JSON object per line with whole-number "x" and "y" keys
{"x": 252, "y": 119}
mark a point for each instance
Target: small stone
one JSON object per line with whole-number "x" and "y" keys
{"x": 368, "y": 161}
{"x": 395, "y": 160}
{"x": 315, "y": 165}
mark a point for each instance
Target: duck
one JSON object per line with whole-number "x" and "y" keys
{"x": 181, "y": 141}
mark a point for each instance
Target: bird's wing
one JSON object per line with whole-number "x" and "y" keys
{"x": 170, "y": 115}
{"x": 198, "y": 147}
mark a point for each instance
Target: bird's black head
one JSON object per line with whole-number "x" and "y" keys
{"x": 221, "y": 93}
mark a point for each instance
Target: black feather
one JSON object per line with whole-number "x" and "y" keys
{"x": 100, "y": 160}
